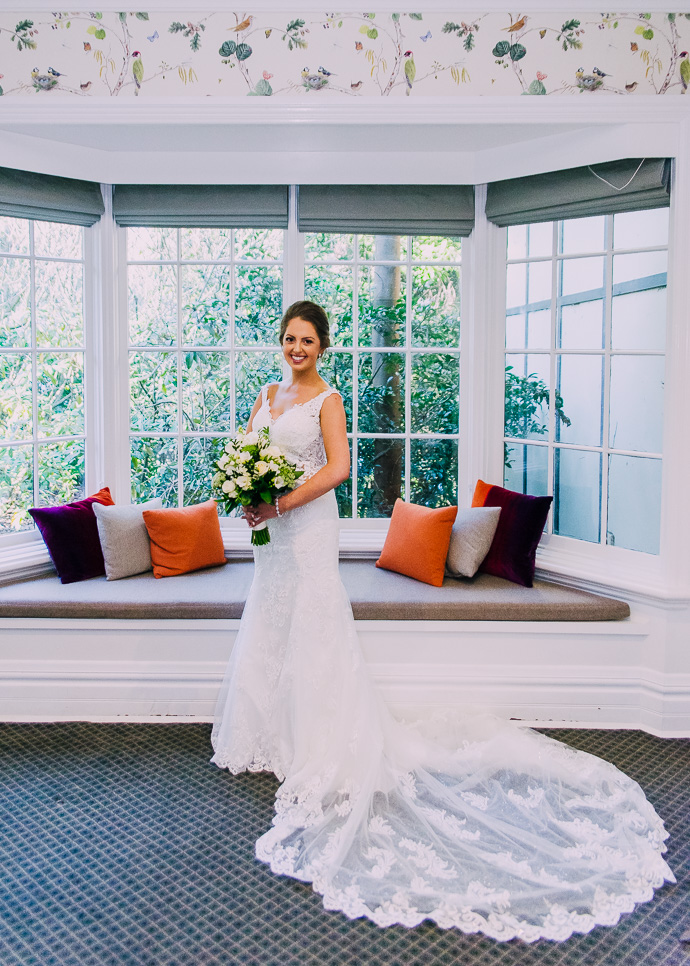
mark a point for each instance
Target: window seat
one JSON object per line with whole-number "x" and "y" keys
{"x": 220, "y": 593}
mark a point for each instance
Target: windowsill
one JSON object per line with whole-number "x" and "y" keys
{"x": 607, "y": 570}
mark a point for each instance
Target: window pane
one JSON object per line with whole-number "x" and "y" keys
{"x": 336, "y": 369}
{"x": 637, "y": 403}
{"x": 16, "y": 488}
{"x": 14, "y": 235}
{"x": 527, "y": 396}
{"x": 638, "y": 320}
{"x": 152, "y": 304}
{"x": 60, "y": 385}
{"x": 581, "y": 275}
{"x": 370, "y": 247}
{"x": 153, "y": 391}
{"x": 529, "y": 330}
{"x": 577, "y": 494}
{"x": 15, "y": 303}
{"x": 327, "y": 246}
{"x": 198, "y": 456}
{"x": 538, "y": 282}
{"x": 540, "y": 239}
{"x": 640, "y": 229}
{"x": 435, "y": 394}
{"x": 582, "y": 325}
{"x": 526, "y": 469}
{"x": 252, "y": 371}
{"x": 16, "y": 414}
{"x": 579, "y": 235}
{"x": 628, "y": 268}
{"x": 59, "y": 315}
{"x": 343, "y": 493}
{"x": 151, "y": 244}
{"x": 579, "y": 410}
{"x": 436, "y": 306}
{"x": 381, "y": 393}
{"x": 206, "y": 298}
{"x": 382, "y": 305}
{"x": 436, "y": 248}
{"x": 332, "y": 288}
{"x": 260, "y": 243}
{"x": 634, "y": 511}
{"x": 517, "y": 241}
{"x": 60, "y": 472}
{"x": 434, "y": 472}
{"x": 258, "y": 305}
{"x": 206, "y": 244}
{"x": 516, "y": 286}
{"x": 58, "y": 240}
{"x": 380, "y": 476}
{"x": 154, "y": 469}
{"x": 206, "y": 391}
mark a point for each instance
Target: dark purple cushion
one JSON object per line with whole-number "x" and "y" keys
{"x": 520, "y": 526}
{"x": 70, "y": 533}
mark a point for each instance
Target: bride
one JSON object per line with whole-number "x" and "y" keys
{"x": 469, "y": 821}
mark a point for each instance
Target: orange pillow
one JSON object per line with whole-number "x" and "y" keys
{"x": 481, "y": 491}
{"x": 184, "y": 539}
{"x": 417, "y": 541}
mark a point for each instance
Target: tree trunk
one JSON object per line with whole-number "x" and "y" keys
{"x": 388, "y": 453}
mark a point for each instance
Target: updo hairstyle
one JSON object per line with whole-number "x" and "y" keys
{"x": 310, "y": 312}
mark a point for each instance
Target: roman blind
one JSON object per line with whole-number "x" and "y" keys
{"x": 201, "y": 205}
{"x": 387, "y": 209}
{"x": 45, "y": 197}
{"x": 598, "y": 189}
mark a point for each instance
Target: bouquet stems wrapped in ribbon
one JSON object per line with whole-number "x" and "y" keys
{"x": 250, "y": 470}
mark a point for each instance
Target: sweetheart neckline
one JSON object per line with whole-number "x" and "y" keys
{"x": 274, "y": 419}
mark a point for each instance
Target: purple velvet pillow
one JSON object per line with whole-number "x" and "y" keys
{"x": 520, "y": 526}
{"x": 70, "y": 533}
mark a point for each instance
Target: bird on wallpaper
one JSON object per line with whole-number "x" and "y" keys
{"x": 43, "y": 82}
{"x": 517, "y": 25}
{"x": 137, "y": 70}
{"x": 324, "y": 73}
{"x": 247, "y": 22}
{"x": 600, "y": 73}
{"x": 54, "y": 73}
{"x": 684, "y": 70}
{"x": 313, "y": 82}
{"x": 587, "y": 82}
{"x": 410, "y": 70}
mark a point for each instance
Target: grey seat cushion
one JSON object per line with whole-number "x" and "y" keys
{"x": 220, "y": 592}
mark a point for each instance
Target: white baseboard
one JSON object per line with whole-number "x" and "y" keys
{"x": 548, "y": 674}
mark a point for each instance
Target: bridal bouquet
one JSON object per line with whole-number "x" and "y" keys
{"x": 251, "y": 469}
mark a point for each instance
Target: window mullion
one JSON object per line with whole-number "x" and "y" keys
{"x": 408, "y": 369}
{"x": 355, "y": 377}
{"x": 34, "y": 361}
{"x": 606, "y": 414}
{"x": 180, "y": 421}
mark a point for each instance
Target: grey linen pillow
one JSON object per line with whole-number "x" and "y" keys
{"x": 124, "y": 539}
{"x": 470, "y": 539}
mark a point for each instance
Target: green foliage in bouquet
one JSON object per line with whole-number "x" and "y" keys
{"x": 251, "y": 470}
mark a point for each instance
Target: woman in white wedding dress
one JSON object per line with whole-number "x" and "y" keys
{"x": 481, "y": 825}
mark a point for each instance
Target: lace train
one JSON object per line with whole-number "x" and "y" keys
{"x": 468, "y": 821}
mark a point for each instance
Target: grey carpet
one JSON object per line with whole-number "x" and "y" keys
{"x": 120, "y": 845}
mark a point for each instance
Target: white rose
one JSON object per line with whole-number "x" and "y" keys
{"x": 273, "y": 451}
{"x": 260, "y": 468}
{"x": 279, "y": 482}
{"x": 244, "y": 482}
{"x": 229, "y": 487}
{"x": 251, "y": 439}
{"x": 245, "y": 456}
{"x": 273, "y": 467}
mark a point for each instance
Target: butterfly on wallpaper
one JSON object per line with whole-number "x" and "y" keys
{"x": 87, "y": 45}
{"x": 154, "y": 36}
{"x": 427, "y": 36}
{"x": 358, "y": 45}
{"x": 634, "y": 47}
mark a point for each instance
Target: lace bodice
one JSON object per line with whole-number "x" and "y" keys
{"x": 297, "y": 431}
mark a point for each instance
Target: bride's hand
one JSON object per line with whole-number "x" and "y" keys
{"x": 257, "y": 514}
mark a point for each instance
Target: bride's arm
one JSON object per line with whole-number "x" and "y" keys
{"x": 337, "y": 468}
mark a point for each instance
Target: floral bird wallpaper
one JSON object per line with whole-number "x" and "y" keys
{"x": 339, "y": 56}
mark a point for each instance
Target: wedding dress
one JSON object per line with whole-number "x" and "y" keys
{"x": 474, "y": 823}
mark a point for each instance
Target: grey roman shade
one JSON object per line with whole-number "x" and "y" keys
{"x": 45, "y": 197}
{"x": 580, "y": 192}
{"x": 201, "y": 205}
{"x": 387, "y": 209}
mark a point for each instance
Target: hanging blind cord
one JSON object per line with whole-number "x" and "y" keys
{"x": 622, "y": 187}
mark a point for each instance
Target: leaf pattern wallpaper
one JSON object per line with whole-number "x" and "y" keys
{"x": 340, "y": 56}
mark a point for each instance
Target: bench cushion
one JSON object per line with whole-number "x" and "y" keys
{"x": 220, "y": 592}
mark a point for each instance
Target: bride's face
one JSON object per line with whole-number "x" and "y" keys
{"x": 301, "y": 345}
